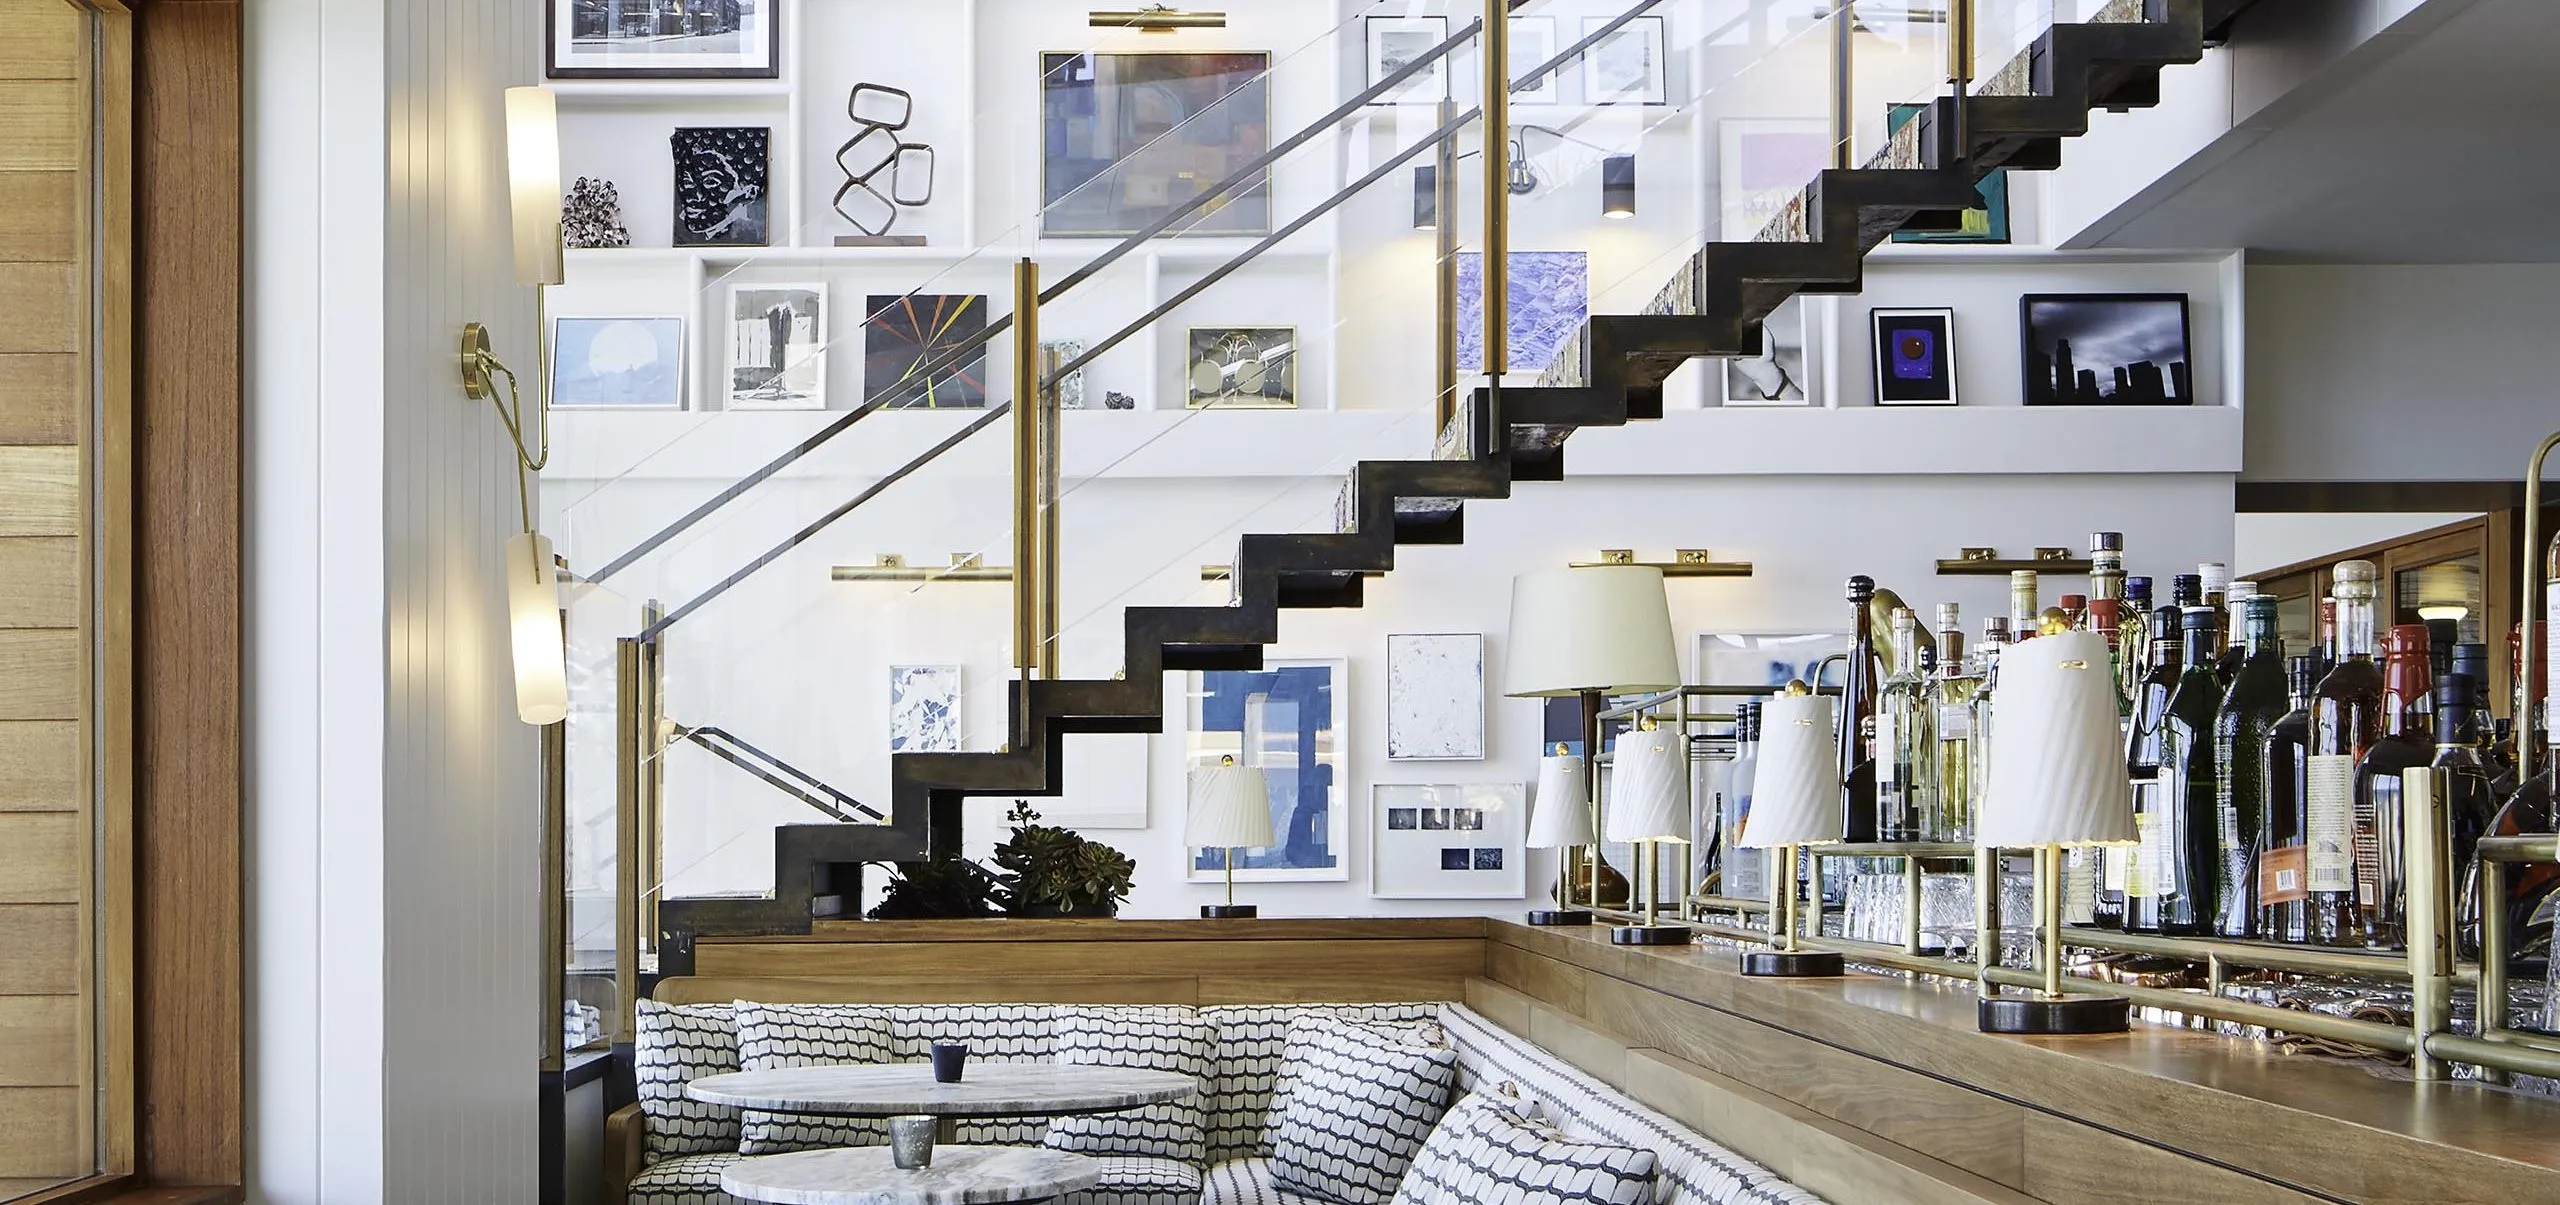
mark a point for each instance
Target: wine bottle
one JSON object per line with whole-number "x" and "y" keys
{"x": 2184, "y": 847}
{"x": 1902, "y": 736}
{"x": 2470, "y": 797}
{"x": 2144, "y": 758}
{"x": 2025, "y": 617}
{"x": 2075, "y": 612}
{"x": 2381, "y": 828}
{"x": 2251, "y": 708}
{"x": 2346, "y": 719}
{"x": 2235, "y": 632}
{"x": 2283, "y": 889}
{"x": 1858, "y": 691}
{"x": 1958, "y": 679}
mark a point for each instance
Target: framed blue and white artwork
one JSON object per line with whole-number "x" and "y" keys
{"x": 1291, "y": 719}
{"x": 1550, "y": 296}
{"x": 924, "y": 709}
{"x": 617, "y": 363}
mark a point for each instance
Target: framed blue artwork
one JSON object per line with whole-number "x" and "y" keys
{"x": 617, "y": 363}
{"x": 1288, "y": 718}
{"x": 1550, "y": 297}
{"x": 1985, "y": 223}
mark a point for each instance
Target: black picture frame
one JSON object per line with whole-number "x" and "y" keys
{"x": 715, "y": 204}
{"x": 551, "y": 50}
{"x": 1914, "y": 355}
{"x": 903, "y": 334}
{"x": 2109, "y": 328}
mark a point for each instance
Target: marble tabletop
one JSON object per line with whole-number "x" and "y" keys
{"x": 909, "y": 1089}
{"x": 960, "y": 1175}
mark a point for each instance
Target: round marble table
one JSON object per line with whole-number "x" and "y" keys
{"x": 909, "y": 1089}
{"x": 960, "y": 1175}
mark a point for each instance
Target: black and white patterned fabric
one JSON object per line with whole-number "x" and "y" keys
{"x": 1484, "y": 1152}
{"x": 1251, "y": 1038}
{"x": 1356, "y": 1102}
{"x": 775, "y": 1037}
{"x": 996, "y": 1033}
{"x": 1248, "y": 1182}
{"x": 1140, "y": 1180}
{"x": 672, "y": 1045}
{"x": 1688, "y": 1169}
{"x": 1154, "y": 1039}
{"x": 683, "y": 1180}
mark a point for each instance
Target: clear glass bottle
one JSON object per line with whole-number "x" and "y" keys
{"x": 2183, "y": 849}
{"x": 1958, "y": 681}
{"x": 2407, "y": 742}
{"x": 2283, "y": 890}
{"x": 1858, "y": 692}
{"x": 2025, "y": 615}
{"x": 2145, "y": 753}
{"x": 2251, "y": 708}
{"x": 1903, "y": 738}
{"x": 1995, "y": 641}
{"x": 2346, "y": 719}
{"x": 1745, "y": 870}
{"x": 2133, "y": 639}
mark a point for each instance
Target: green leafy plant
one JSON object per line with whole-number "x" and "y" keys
{"x": 939, "y": 889}
{"x": 1051, "y": 871}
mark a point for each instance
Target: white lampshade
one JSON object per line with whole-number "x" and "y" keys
{"x": 1795, "y": 786}
{"x": 533, "y": 184}
{"x": 1230, "y": 809}
{"x": 533, "y": 625}
{"x": 2057, "y": 773}
{"x": 1647, "y": 787}
{"x": 1561, "y": 814}
{"x": 1606, "y": 628}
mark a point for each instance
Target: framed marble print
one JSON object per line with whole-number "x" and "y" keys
{"x": 1549, "y": 299}
{"x": 1289, "y": 718}
{"x": 1241, "y": 368}
{"x": 722, "y": 176}
{"x": 1449, "y": 841}
{"x": 924, "y": 709}
{"x": 1435, "y": 697}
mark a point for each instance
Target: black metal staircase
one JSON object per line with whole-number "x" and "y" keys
{"x": 1610, "y": 374}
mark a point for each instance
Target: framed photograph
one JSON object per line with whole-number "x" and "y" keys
{"x": 1458, "y": 841}
{"x": 1629, "y": 67}
{"x": 1762, "y": 164}
{"x": 905, "y": 334}
{"x": 2106, "y": 349}
{"x": 1106, "y": 783}
{"x": 1241, "y": 368}
{"x": 1397, "y": 41}
{"x": 1987, "y": 222}
{"x": 1288, "y": 718}
{"x": 1915, "y": 357}
{"x": 1549, "y": 300}
{"x": 924, "y": 709}
{"x": 617, "y": 363}
{"x": 1435, "y": 698}
{"x": 1533, "y": 42}
{"x": 647, "y": 39}
{"x": 1127, "y": 137}
{"x": 777, "y": 347}
{"x": 722, "y": 184}
{"x": 1780, "y": 374}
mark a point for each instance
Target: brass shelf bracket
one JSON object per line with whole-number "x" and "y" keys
{"x": 891, "y": 567}
{"x": 1987, "y": 562}
{"x": 1684, "y": 562}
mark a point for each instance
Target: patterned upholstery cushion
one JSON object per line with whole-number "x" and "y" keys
{"x": 772, "y": 1037}
{"x": 1689, "y": 1169}
{"x": 996, "y": 1033}
{"x": 1356, "y": 1102}
{"x": 1486, "y": 1153}
{"x": 673, "y": 1045}
{"x": 1250, "y": 1039}
{"x": 1140, "y": 1180}
{"x": 1248, "y": 1182}
{"x": 1157, "y": 1039}
{"x": 684, "y": 1180}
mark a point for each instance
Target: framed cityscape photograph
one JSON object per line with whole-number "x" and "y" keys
{"x": 617, "y": 363}
{"x": 777, "y": 347}
{"x": 652, "y": 39}
{"x": 1397, "y": 41}
{"x": 904, "y": 337}
{"x": 1127, "y": 138}
{"x": 1290, "y": 719}
{"x": 1456, "y": 841}
{"x": 1915, "y": 357}
{"x": 1628, "y": 67}
{"x": 722, "y": 176}
{"x": 2106, "y": 349}
{"x": 1241, "y": 368}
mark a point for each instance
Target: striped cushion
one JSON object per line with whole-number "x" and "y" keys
{"x": 996, "y": 1033}
{"x": 1486, "y": 1153}
{"x": 1139, "y": 1180}
{"x": 1250, "y": 1040}
{"x": 1356, "y": 1102}
{"x": 1248, "y": 1182}
{"x": 683, "y": 1180}
{"x": 675, "y": 1044}
{"x": 772, "y": 1037}
{"x": 1156, "y": 1039}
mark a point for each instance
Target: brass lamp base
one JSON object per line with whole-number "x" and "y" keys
{"x": 2037, "y": 1015}
{"x": 1652, "y": 935}
{"x": 1229, "y": 911}
{"x": 1793, "y": 964}
{"x": 1559, "y": 916}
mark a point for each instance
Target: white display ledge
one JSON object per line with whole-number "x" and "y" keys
{"x": 1201, "y": 253}
{"x": 1915, "y": 440}
{"x": 673, "y": 93}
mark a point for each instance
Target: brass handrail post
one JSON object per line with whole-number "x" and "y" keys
{"x": 1051, "y": 458}
{"x": 653, "y": 779}
{"x": 1960, "y": 51}
{"x": 628, "y": 726}
{"x": 1844, "y": 85}
{"x": 1444, "y": 273}
{"x": 2429, "y": 913}
{"x": 1026, "y": 495}
{"x": 1497, "y": 192}
{"x": 2534, "y": 604}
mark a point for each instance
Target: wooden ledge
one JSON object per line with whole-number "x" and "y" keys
{"x": 1100, "y": 929}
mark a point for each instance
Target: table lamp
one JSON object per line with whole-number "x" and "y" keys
{"x": 1560, "y": 819}
{"x": 1648, "y": 808}
{"x": 2056, "y": 778}
{"x": 1795, "y": 800}
{"x": 1589, "y": 633}
{"x": 1230, "y": 810}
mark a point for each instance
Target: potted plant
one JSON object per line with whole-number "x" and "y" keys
{"x": 938, "y": 889}
{"x": 1051, "y": 871}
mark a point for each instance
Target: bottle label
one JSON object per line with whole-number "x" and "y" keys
{"x": 2080, "y": 887}
{"x": 1888, "y": 749}
{"x": 2137, "y": 857}
{"x": 2329, "y": 782}
{"x": 2550, "y": 661}
{"x": 2283, "y": 876}
{"x": 2382, "y": 798}
{"x": 1955, "y": 722}
{"x": 2159, "y": 859}
{"x": 2119, "y": 870}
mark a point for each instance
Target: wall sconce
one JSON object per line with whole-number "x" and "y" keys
{"x": 1987, "y": 562}
{"x": 891, "y": 567}
{"x": 1618, "y": 186}
{"x": 533, "y": 184}
{"x": 1686, "y": 562}
{"x": 1157, "y": 18}
{"x": 1426, "y": 197}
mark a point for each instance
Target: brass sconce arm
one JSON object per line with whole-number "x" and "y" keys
{"x": 480, "y": 368}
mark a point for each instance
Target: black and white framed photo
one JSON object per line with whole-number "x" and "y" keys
{"x": 777, "y": 347}
{"x": 723, "y": 185}
{"x": 1533, "y": 42}
{"x": 1395, "y": 42}
{"x": 1241, "y": 368}
{"x": 1781, "y": 374}
{"x": 1915, "y": 357}
{"x": 617, "y": 363}
{"x": 1452, "y": 841}
{"x": 2106, "y": 349}
{"x": 653, "y": 39}
{"x": 1628, "y": 67}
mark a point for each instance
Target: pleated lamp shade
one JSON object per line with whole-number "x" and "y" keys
{"x": 1647, "y": 788}
{"x": 1795, "y": 791}
{"x": 1230, "y": 809}
{"x": 1605, "y": 628}
{"x": 1561, "y": 814}
{"x": 2057, "y": 772}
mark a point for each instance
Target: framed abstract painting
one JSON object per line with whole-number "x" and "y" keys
{"x": 925, "y": 351}
{"x": 1549, "y": 299}
{"x": 924, "y": 709}
{"x": 617, "y": 363}
{"x": 723, "y": 182}
{"x": 1915, "y": 357}
{"x": 1289, "y": 718}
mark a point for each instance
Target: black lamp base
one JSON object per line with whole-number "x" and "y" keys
{"x": 2035, "y": 1015}
{"x": 1793, "y": 964}
{"x": 1652, "y": 935}
{"x": 1559, "y": 916}
{"x": 1229, "y": 911}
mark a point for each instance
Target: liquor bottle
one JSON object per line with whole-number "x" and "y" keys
{"x": 2251, "y": 708}
{"x": 2106, "y": 565}
{"x": 2346, "y": 719}
{"x": 1958, "y": 680}
{"x": 2381, "y": 829}
{"x": 2186, "y": 590}
{"x": 1858, "y": 689}
{"x": 2133, "y": 639}
{"x": 2183, "y": 847}
{"x": 1902, "y": 737}
{"x": 2213, "y": 579}
{"x": 1995, "y": 642}
{"x": 2023, "y": 608}
{"x": 2075, "y": 612}
{"x": 2470, "y": 797}
{"x": 2283, "y": 890}
{"x": 2497, "y": 755}
{"x": 2235, "y": 632}
{"x": 2144, "y": 757}
{"x": 1745, "y": 870}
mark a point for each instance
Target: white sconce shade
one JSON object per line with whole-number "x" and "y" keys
{"x": 1647, "y": 785}
{"x": 533, "y": 184}
{"x": 1795, "y": 789}
{"x": 1605, "y": 628}
{"x": 1561, "y": 814}
{"x": 1230, "y": 809}
{"x": 533, "y": 624}
{"x": 2057, "y": 772}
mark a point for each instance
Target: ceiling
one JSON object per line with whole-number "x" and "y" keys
{"x": 2446, "y": 150}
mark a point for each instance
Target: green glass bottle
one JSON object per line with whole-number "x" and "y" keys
{"x": 2253, "y": 706}
{"x": 2184, "y": 858}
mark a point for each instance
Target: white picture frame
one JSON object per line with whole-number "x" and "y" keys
{"x": 1923, "y": 374}
{"x": 1631, "y": 66}
{"x": 1533, "y": 42}
{"x": 1435, "y": 697}
{"x": 1475, "y": 851}
{"x": 1762, "y": 164}
{"x": 1783, "y": 374}
{"x": 1323, "y": 765}
{"x": 617, "y": 362}
{"x": 1393, "y": 42}
{"x": 764, "y": 373}
{"x": 924, "y": 709}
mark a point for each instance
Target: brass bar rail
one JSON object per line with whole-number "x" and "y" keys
{"x": 1495, "y": 60}
{"x": 2535, "y": 605}
{"x": 1026, "y": 461}
{"x": 626, "y": 835}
